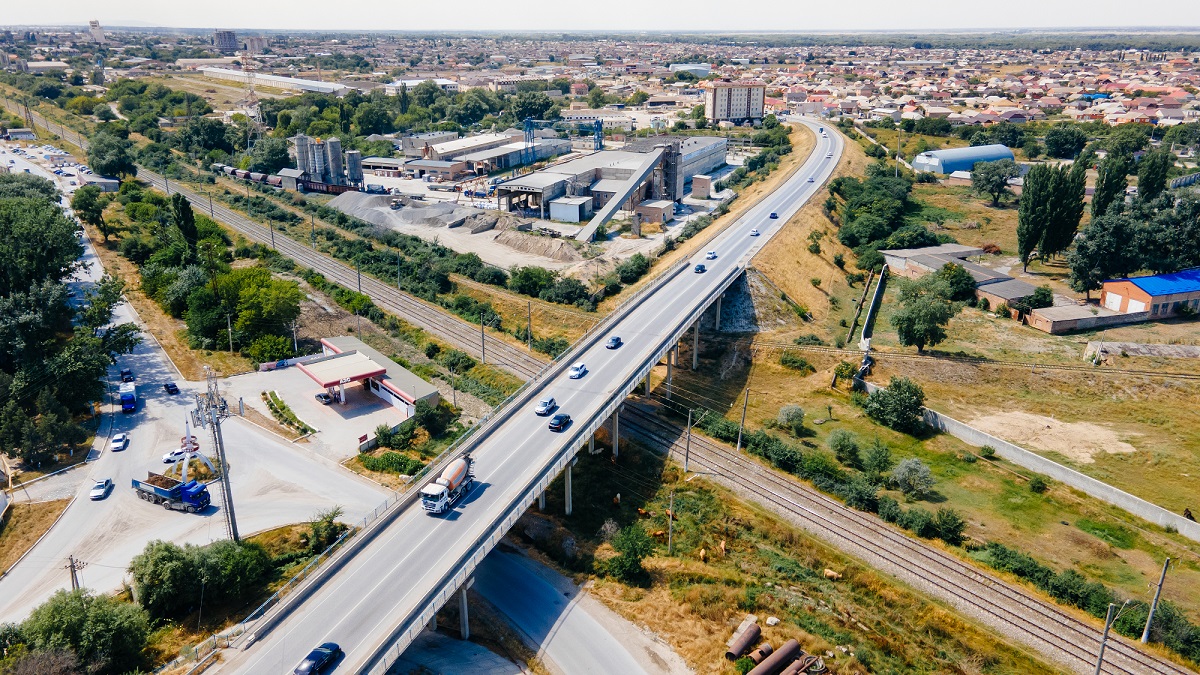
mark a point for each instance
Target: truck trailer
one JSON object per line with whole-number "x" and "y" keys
{"x": 128, "y": 392}
{"x": 456, "y": 480}
{"x": 173, "y": 494}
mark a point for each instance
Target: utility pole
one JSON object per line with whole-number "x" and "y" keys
{"x": 74, "y": 566}
{"x": 1113, "y": 613}
{"x": 358, "y": 272}
{"x": 687, "y": 448}
{"x": 313, "y": 236}
{"x": 742, "y": 425}
{"x": 295, "y": 344}
{"x": 1154, "y": 605}
{"x": 482, "y": 341}
{"x": 529, "y": 324}
{"x": 210, "y": 411}
{"x": 899, "y": 133}
{"x": 671, "y": 523}
{"x": 271, "y": 226}
{"x": 229, "y": 325}
{"x": 210, "y": 206}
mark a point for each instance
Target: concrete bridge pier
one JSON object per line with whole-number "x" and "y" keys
{"x": 696, "y": 345}
{"x": 616, "y": 439}
{"x": 718, "y": 317}
{"x": 672, "y": 357}
{"x": 464, "y": 626}
{"x": 567, "y": 485}
{"x": 542, "y": 501}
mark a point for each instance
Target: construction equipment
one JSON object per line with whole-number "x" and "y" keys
{"x": 173, "y": 494}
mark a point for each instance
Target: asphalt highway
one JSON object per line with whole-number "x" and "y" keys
{"x": 363, "y": 604}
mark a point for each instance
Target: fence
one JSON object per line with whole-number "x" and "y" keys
{"x": 1184, "y": 181}
{"x": 1035, "y": 462}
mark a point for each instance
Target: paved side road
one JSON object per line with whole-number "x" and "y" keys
{"x": 571, "y": 631}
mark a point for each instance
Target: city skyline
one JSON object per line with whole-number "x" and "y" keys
{"x": 622, "y": 15}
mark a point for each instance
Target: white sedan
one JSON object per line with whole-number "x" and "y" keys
{"x": 119, "y": 442}
{"x": 711, "y": 255}
{"x": 100, "y": 489}
{"x": 754, "y": 232}
{"x": 176, "y": 455}
{"x": 577, "y": 371}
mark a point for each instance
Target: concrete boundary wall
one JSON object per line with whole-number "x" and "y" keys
{"x": 1068, "y": 476}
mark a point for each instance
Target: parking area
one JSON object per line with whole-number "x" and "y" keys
{"x": 339, "y": 426}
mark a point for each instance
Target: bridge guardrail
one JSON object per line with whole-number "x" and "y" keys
{"x": 385, "y": 655}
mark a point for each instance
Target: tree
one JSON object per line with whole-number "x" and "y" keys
{"x": 373, "y": 118}
{"x": 597, "y": 98}
{"x": 1065, "y": 141}
{"x": 530, "y": 280}
{"x": 1104, "y": 250}
{"x": 925, "y": 310}
{"x": 791, "y": 417}
{"x": 201, "y": 135}
{"x": 900, "y": 406}
{"x": 269, "y": 155}
{"x": 844, "y": 447}
{"x": 959, "y": 282}
{"x": 912, "y": 477}
{"x": 530, "y": 105}
{"x": 1127, "y": 139}
{"x": 991, "y": 178}
{"x": 1111, "y": 182}
{"x": 103, "y": 632}
{"x": 27, "y": 185}
{"x": 632, "y": 545}
{"x": 110, "y": 156}
{"x": 1064, "y": 210}
{"x": 184, "y": 220}
{"x": 88, "y": 205}
{"x": 37, "y": 243}
{"x": 163, "y": 579}
{"x": 1152, "y": 172}
{"x": 878, "y": 460}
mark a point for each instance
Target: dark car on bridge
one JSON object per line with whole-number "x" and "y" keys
{"x": 559, "y": 422}
{"x": 319, "y": 660}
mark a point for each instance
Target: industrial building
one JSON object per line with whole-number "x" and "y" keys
{"x": 320, "y": 161}
{"x": 225, "y": 41}
{"x": 995, "y": 287}
{"x": 96, "y": 32}
{"x": 959, "y": 159}
{"x": 448, "y": 86}
{"x": 414, "y": 145}
{"x": 700, "y": 70}
{"x": 461, "y": 146}
{"x": 734, "y": 101}
{"x": 512, "y": 155}
{"x": 277, "y": 81}
{"x": 1162, "y": 295}
{"x": 347, "y": 360}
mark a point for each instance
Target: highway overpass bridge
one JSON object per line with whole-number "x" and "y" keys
{"x": 387, "y": 590}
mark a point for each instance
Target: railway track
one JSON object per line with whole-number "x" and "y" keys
{"x": 1070, "y": 641}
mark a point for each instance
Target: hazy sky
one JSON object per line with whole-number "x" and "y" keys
{"x": 625, "y": 15}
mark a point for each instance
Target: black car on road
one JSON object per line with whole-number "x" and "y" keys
{"x": 560, "y": 421}
{"x": 171, "y": 388}
{"x": 126, "y": 375}
{"x": 613, "y": 342}
{"x": 319, "y": 660}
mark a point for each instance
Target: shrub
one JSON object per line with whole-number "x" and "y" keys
{"x": 839, "y": 260}
{"x": 845, "y": 370}
{"x": 889, "y": 510}
{"x": 919, "y": 522}
{"x": 796, "y": 362}
{"x": 791, "y": 417}
{"x": 861, "y": 494}
{"x": 808, "y": 339}
{"x": 987, "y": 452}
{"x": 949, "y": 526}
{"x": 815, "y": 281}
{"x": 633, "y": 269}
{"x": 814, "y": 248}
{"x": 878, "y": 460}
{"x": 1038, "y": 485}
{"x": 390, "y": 462}
{"x": 632, "y": 545}
{"x": 912, "y": 477}
{"x": 267, "y": 348}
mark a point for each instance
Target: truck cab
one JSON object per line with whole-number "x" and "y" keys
{"x": 456, "y": 480}
{"x": 435, "y": 498}
{"x": 128, "y": 392}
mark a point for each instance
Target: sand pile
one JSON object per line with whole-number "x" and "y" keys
{"x": 549, "y": 247}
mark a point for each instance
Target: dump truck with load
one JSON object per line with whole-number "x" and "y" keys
{"x": 173, "y": 494}
{"x": 128, "y": 392}
{"x": 455, "y": 481}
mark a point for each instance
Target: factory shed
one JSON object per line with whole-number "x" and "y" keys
{"x": 960, "y": 159}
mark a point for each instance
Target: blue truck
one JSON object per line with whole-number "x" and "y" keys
{"x": 128, "y": 392}
{"x": 172, "y": 494}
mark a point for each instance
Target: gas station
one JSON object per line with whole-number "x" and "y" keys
{"x": 346, "y": 360}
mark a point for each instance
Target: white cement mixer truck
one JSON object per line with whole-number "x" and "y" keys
{"x": 456, "y": 480}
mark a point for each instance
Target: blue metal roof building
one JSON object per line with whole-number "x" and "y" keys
{"x": 1187, "y": 281}
{"x": 959, "y": 159}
